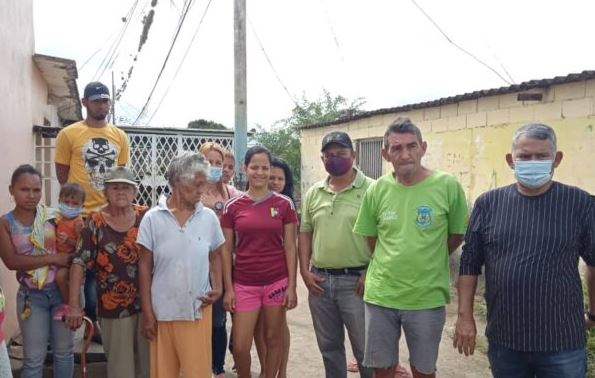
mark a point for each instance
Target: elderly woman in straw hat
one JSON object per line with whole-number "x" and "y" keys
{"x": 180, "y": 273}
{"x": 109, "y": 248}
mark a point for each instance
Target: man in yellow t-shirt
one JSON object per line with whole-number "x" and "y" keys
{"x": 86, "y": 150}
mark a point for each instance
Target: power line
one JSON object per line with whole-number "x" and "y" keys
{"x": 332, "y": 29}
{"x": 181, "y": 62}
{"x": 109, "y": 58}
{"x": 457, "y": 46}
{"x": 271, "y": 65}
{"x": 171, "y": 47}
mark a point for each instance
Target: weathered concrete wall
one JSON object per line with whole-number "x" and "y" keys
{"x": 24, "y": 95}
{"x": 471, "y": 138}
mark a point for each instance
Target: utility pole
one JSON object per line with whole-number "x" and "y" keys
{"x": 113, "y": 100}
{"x": 240, "y": 98}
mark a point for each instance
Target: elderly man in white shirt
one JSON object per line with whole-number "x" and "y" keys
{"x": 180, "y": 273}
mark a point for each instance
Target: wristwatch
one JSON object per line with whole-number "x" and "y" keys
{"x": 591, "y": 316}
{"x": 218, "y": 206}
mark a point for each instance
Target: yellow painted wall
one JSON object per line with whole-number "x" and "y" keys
{"x": 471, "y": 138}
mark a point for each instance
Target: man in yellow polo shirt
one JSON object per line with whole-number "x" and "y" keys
{"x": 332, "y": 258}
{"x": 86, "y": 150}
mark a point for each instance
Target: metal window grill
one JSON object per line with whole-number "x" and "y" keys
{"x": 151, "y": 154}
{"x": 151, "y": 151}
{"x": 369, "y": 156}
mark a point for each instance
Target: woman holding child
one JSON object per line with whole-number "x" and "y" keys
{"x": 28, "y": 245}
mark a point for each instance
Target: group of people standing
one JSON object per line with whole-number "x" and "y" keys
{"x": 154, "y": 278}
{"x": 373, "y": 254}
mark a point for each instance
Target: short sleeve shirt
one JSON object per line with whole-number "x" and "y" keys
{"x": 68, "y": 227}
{"x": 180, "y": 259}
{"x": 90, "y": 153}
{"x": 114, "y": 256}
{"x": 259, "y": 230}
{"x": 330, "y": 217}
{"x": 529, "y": 247}
{"x": 409, "y": 268}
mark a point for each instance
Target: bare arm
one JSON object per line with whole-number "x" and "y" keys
{"x": 311, "y": 279}
{"x": 465, "y": 330}
{"x": 215, "y": 275}
{"x": 226, "y": 258}
{"x": 291, "y": 259}
{"x": 454, "y": 242}
{"x": 14, "y": 261}
{"x": 371, "y": 243}
{"x": 74, "y": 318}
{"x": 304, "y": 251}
{"x": 75, "y": 282}
{"x": 145, "y": 278}
{"x": 215, "y": 265}
{"x": 229, "y": 298}
{"x": 62, "y": 173}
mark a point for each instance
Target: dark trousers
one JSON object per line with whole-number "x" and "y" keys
{"x": 219, "y": 337}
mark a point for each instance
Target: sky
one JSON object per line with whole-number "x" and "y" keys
{"x": 386, "y": 52}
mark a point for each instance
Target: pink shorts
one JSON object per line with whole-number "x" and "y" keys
{"x": 250, "y": 298}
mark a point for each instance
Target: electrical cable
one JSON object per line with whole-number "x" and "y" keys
{"x": 272, "y": 66}
{"x": 164, "y": 62}
{"x": 181, "y": 63}
{"x": 115, "y": 52}
{"x": 457, "y": 46}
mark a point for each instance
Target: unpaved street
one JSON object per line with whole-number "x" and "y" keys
{"x": 305, "y": 360}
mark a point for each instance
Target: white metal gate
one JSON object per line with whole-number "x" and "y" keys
{"x": 150, "y": 155}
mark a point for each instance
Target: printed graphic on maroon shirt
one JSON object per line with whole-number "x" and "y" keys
{"x": 259, "y": 228}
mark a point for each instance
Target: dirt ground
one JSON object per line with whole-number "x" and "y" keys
{"x": 305, "y": 359}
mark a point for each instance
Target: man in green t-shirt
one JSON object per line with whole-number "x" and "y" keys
{"x": 414, "y": 218}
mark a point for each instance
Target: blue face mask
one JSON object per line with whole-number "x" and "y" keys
{"x": 69, "y": 212}
{"x": 533, "y": 174}
{"x": 214, "y": 175}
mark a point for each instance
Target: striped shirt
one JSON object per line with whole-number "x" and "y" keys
{"x": 530, "y": 247}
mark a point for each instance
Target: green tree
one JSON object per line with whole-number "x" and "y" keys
{"x": 206, "y": 125}
{"x": 283, "y": 138}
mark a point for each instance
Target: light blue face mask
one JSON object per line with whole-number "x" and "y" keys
{"x": 533, "y": 174}
{"x": 214, "y": 175}
{"x": 69, "y": 212}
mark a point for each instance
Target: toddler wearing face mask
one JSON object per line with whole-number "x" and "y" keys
{"x": 69, "y": 224}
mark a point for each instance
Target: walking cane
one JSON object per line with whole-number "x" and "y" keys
{"x": 89, "y": 331}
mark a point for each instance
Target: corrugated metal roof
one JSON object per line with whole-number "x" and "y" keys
{"x": 61, "y": 75}
{"x": 527, "y": 85}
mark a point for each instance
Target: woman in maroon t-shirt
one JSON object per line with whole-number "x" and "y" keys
{"x": 260, "y": 227}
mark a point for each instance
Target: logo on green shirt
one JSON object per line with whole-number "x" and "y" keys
{"x": 424, "y": 216}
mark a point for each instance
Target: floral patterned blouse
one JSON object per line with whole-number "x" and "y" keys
{"x": 114, "y": 256}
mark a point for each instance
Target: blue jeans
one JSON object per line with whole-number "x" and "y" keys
{"x": 90, "y": 290}
{"x": 39, "y": 328}
{"x": 338, "y": 307}
{"x": 219, "y": 337}
{"x": 508, "y": 363}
